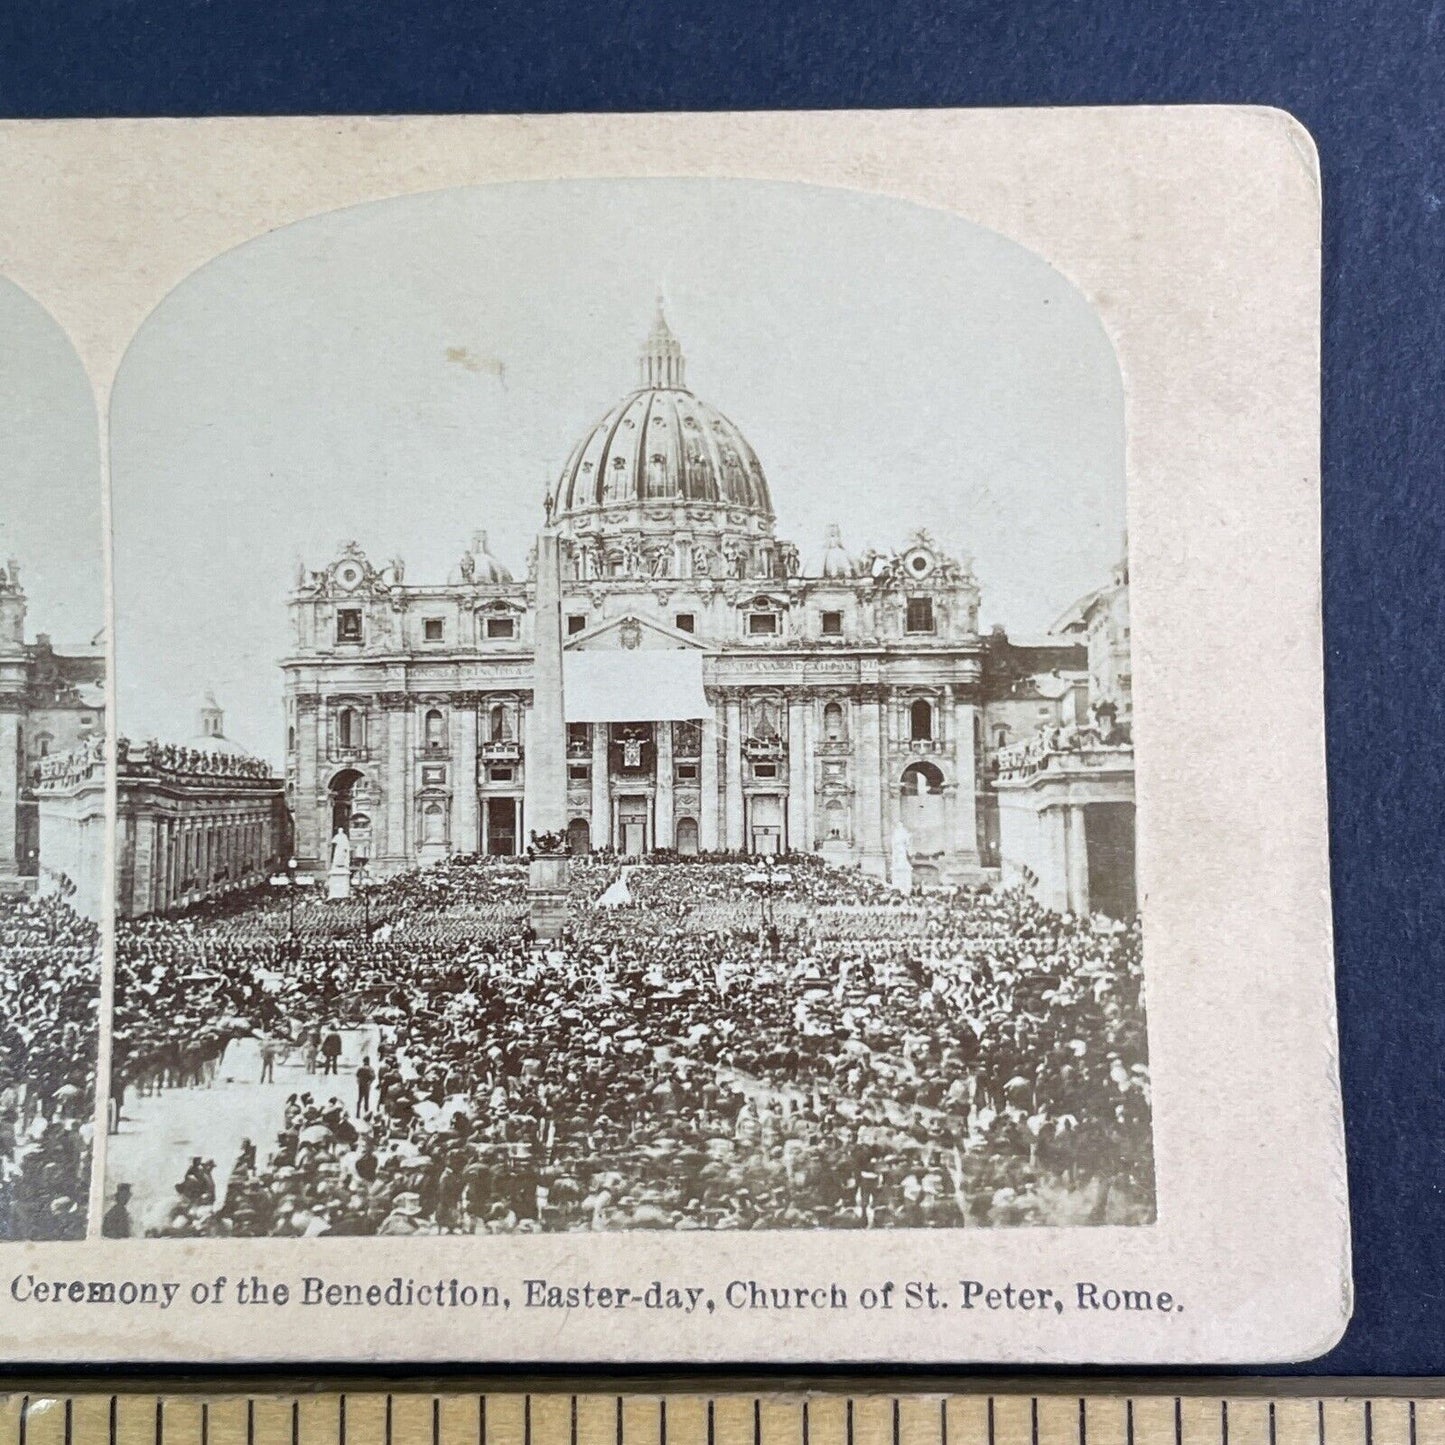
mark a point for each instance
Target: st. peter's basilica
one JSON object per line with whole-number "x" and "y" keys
{"x": 726, "y": 690}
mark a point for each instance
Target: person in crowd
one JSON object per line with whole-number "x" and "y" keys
{"x": 116, "y": 1223}
{"x": 365, "y": 1077}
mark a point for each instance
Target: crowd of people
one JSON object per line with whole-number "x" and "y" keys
{"x": 823, "y": 1053}
{"x": 49, "y": 1009}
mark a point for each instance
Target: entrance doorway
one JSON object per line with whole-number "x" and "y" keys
{"x": 632, "y": 827}
{"x": 501, "y": 826}
{"x": 687, "y": 836}
{"x": 343, "y": 786}
{"x": 765, "y": 823}
{"x": 921, "y": 808}
{"x": 579, "y": 836}
{"x": 1109, "y": 832}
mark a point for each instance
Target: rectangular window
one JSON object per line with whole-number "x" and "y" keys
{"x": 920, "y": 614}
{"x": 687, "y": 772}
{"x": 434, "y": 629}
{"x": 685, "y": 622}
{"x": 348, "y": 624}
{"x": 579, "y": 772}
{"x": 499, "y": 775}
{"x": 832, "y": 624}
{"x": 576, "y": 622}
{"x": 762, "y": 624}
{"x": 500, "y": 627}
{"x": 434, "y": 775}
{"x": 765, "y": 770}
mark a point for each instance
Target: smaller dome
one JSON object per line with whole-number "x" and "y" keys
{"x": 835, "y": 562}
{"x": 212, "y": 736}
{"x": 478, "y": 565}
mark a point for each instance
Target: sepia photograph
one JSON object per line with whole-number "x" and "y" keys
{"x": 52, "y": 774}
{"x": 696, "y": 792}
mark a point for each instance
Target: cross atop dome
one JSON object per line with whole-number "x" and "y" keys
{"x": 660, "y": 362}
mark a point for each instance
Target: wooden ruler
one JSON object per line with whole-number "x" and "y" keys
{"x": 1088, "y": 1413}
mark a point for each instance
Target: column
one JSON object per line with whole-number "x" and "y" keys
{"x": 1076, "y": 858}
{"x": 663, "y": 811}
{"x": 396, "y": 791}
{"x": 800, "y": 775}
{"x": 869, "y": 762}
{"x": 964, "y": 839}
{"x": 9, "y": 788}
{"x": 466, "y": 832}
{"x": 307, "y": 845}
{"x": 733, "y": 747}
{"x": 707, "y": 830}
{"x": 602, "y": 835}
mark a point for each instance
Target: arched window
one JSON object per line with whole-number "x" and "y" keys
{"x": 920, "y": 717}
{"x": 835, "y": 818}
{"x": 348, "y": 726}
{"x": 433, "y": 823}
{"x": 1000, "y": 736}
{"x": 435, "y": 728}
{"x": 833, "y": 722}
{"x": 498, "y": 726}
{"x": 290, "y": 739}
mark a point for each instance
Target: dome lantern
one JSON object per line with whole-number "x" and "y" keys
{"x": 660, "y": 363}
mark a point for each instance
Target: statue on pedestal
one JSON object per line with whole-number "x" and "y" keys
{"x": 901, "y": 873}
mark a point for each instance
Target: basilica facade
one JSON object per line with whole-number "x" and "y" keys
{"x": 846, "y": 702}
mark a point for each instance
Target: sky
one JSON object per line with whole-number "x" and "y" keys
{"x": 50, "y": 503}
{"x": 410, "y": 371}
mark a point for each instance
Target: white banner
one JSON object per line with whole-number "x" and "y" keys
{"x": 619, "y": 686}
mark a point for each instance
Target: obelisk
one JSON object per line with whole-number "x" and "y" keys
{"x": 545, "y": 760}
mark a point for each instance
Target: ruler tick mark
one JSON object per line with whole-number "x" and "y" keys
{"x": 114, "y": 1406}
{"x": 1083, "y": 1424}
{"x": 205, "y": 1423}
{"x": 662, "y": 1422}
{"x": 1128, "y": 1422}
{"x": 388, "y": 1418}
{"x": 1034, "y": 1419}
{"x": 1224, "y": 1422}
{"x": 990, "y": 1420}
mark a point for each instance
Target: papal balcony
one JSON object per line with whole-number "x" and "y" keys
{"x": 1064, "y": 752}
{"x": 502, "y": 751}
{"x": 762, "y": 750}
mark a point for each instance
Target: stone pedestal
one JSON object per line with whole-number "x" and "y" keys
{"x": 338, "y": 884}
{"x": 547, "y": 894}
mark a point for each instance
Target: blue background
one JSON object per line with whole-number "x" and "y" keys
{"x": 1367, "y": 81}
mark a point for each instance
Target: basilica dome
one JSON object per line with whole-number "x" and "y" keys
{"x": 661, "y": 446}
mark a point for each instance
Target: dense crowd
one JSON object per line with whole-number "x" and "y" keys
{"x": 824, "y": 1053}
{"x": 49, "y": 1005}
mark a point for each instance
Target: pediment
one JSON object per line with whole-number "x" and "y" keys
{"x": 632, "y": 634}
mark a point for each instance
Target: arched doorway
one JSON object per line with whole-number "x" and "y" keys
{"x": 343, "y": 787}
{"x": 579, "y": 836}
{"x": 687, "y": 836}
{"x": 921, "y": 808}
